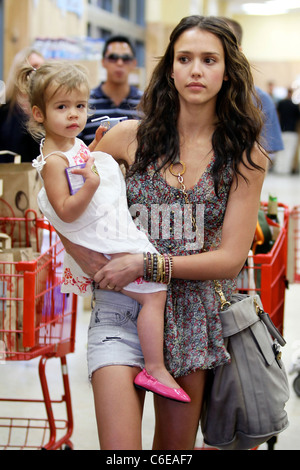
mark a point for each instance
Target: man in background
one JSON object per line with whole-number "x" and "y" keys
{"x": 289, "y": 117}
{"x": 115, "y": 97}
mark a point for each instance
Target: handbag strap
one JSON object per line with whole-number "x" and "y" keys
{"x": 244, "y": 316}
{"x": 265, "y": 318}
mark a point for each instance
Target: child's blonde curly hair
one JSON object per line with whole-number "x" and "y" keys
{"x": 51, "y": 76}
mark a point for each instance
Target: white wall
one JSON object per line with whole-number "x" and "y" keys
{"x": 272, "y": 38}
{"x": 272, "y": 45}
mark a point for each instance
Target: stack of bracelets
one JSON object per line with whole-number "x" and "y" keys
{"x": 158, "y": 268}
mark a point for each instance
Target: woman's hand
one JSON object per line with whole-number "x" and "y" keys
{"x": 90, "y": 261}
{"x": 120, "y": 271}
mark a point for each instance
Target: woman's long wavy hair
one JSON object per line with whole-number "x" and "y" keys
{"x": 239, "y": 117}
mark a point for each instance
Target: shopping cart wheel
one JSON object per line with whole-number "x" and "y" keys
{"x": 296, "y": 385}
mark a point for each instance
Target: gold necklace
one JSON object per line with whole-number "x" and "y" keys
{"x": 183, "y": 188}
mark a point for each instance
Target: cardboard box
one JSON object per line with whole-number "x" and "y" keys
{"x": 21, "y": 185}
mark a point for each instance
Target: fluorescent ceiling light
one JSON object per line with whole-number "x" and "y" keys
{"x": 271, "y": 7}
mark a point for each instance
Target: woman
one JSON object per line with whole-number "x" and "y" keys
{"x": 197, "y": 146}
{"x": 14, "y": 114}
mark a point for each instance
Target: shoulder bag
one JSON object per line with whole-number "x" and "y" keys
{"x": 245, "y": 400}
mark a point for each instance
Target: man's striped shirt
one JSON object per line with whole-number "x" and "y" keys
{"x": 102, "y": 105}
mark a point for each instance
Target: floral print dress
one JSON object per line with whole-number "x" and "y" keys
{"x": 193, "y": 332}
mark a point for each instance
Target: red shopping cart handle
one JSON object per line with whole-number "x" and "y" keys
{"x": 26, "y": 266}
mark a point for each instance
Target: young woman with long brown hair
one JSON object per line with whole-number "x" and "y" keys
{"x": 196, "y": 152}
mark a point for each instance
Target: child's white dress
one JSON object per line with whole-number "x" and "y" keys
{"x": 106, "y": 225}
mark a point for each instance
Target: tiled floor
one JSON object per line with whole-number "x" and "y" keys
{"x": 20, "y": 379}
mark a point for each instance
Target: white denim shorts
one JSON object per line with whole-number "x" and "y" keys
{"x": 112, "y": 334}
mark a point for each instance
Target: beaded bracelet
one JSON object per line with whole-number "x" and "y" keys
{"x": 158, "y": 268}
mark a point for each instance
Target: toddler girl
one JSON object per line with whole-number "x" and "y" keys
{"x": 96, "y": 214}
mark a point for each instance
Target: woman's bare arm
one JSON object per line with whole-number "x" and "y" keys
{"x": 90, "y": 261}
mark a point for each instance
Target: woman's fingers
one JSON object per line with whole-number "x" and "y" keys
{"x": 120, "y": 271}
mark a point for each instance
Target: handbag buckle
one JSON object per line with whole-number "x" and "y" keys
{"x": 219, "y": 291}
{"x": 277, "y": 353}
{"x": 257, "y": 307}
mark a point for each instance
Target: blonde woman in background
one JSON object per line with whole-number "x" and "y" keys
{"x": 14, "y": 113}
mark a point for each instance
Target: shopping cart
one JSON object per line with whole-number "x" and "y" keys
{"x": 294, "y": 244}
{"x": 265, "y": 274}
{"x": 294, "y": 274}
{"x": 36, "y": 321}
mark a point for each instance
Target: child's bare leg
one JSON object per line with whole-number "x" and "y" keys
{"x": 150, "y": 327}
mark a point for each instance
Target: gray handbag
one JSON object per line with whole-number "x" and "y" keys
{"x": 245, "y": 399}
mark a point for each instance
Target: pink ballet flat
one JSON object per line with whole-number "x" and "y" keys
{"x": 146, "y": 382}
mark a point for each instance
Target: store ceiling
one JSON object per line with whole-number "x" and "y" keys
{"x": 264, "y": 7}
